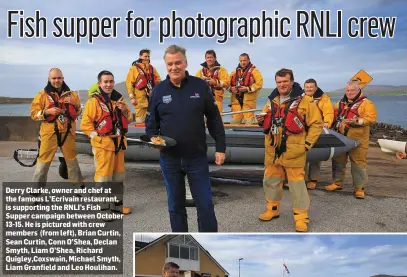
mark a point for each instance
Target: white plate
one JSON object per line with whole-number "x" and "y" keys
{"x": 156, "y": 144}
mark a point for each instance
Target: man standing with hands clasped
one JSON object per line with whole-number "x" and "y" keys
{"x": 215, "y": 76}
{"x": 177, "y": 109}
{"x": 245, "y": 85}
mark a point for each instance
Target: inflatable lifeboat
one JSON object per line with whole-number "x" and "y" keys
{"x": 244, "y": 145}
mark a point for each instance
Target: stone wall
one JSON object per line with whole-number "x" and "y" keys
{"x": 387, "y": 131}
{"x": 18, "y": 128}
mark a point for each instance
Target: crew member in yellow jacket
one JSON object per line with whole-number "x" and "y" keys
{"x": 216, "y": 76}
{"x": 140, "y": 81}
{"x": 292, "y": 125}
{"x": 246, "y": 82}
{"x": 325, "y": 106}
{"x": 57, "y": 107}
{"x": 105, "y": 120}
{"x": 354, "y": 114}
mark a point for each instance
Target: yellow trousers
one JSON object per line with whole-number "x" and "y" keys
{"x": 48, "y": 148}
{"x": 358, "y": 167}
{"x": 242, "y": 117}
{"x": 273, "y": 177}
{"x": 141, "y": 107}
{"x": 219, "y": 103}
{"x": 140, "y": 113}
{"x": 312, "y": 171}
{"x": 109, "y": 166}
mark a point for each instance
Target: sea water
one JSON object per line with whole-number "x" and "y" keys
{"x": 390, "y": 109}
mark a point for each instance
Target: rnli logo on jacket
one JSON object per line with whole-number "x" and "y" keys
{"x": 167, "y": 99}
{"x": 196, "y": 95}
{"x": 298, "y": 121}
{"x": 103, "y": 123}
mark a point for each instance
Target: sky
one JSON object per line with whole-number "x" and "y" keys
{"x": 24, "y": 62}
{"x": 305, "y": 255}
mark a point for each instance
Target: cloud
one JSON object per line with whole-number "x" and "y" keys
{"x": 147, "y": 237}
{"x": 331, "y": 65}
{"x": 17, "y": 53}
{"x": 333, "y": 49}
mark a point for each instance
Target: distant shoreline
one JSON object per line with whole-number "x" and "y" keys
{"x": 335, "y": 94}
{"x": 16, "y": 100}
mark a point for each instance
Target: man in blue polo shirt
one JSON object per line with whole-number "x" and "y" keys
{"x": 177, "y": 109}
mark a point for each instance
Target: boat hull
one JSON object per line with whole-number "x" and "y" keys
{"x": 392, "y": 146}
{"x": 244, "y": 146}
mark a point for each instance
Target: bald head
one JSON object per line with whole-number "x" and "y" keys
{"x": 55, "y": 77}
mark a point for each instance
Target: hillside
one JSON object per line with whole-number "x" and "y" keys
{"x": 384, "y": 275}
{"x": 369, "y": 90}
{"x": 377, "y": 90}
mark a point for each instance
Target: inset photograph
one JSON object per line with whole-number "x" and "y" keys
{"x": 246, "y": 255}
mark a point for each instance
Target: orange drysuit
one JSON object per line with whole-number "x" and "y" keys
{"x": 140, "y": 82}
{"x": 110, "y": 165}
{"x": 249, "y": 77}
{"x": 363, "y": 111}
{"x": 108, "y": 147}
{"x": 56, "y": 131}
{"x": 292, "y": 156}
{"x": 312, "y": 171}
{"x": 220, "y": 75}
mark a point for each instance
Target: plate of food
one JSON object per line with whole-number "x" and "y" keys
{"x": 156, "y": 141}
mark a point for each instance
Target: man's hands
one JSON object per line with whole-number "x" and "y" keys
{"x": 53, "y": 111}
{"x": 353, "y": 121}
{"x": 210, "y": 81}
{"x": 70, "y": 100}
{"x": 57, "y": 111}
{"x": 133, "y": 101}
{"x": 219, "y": 158}
{"x": 239, "y": 90}
{"x": 260, "y": 118}
{"x": 243, "y": 89}
{"x": 122, "y": 106}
